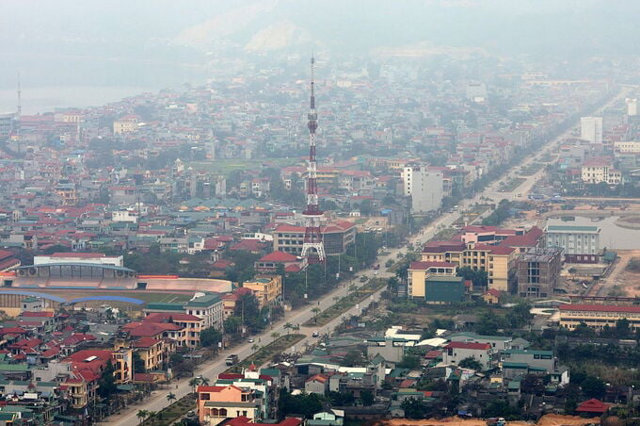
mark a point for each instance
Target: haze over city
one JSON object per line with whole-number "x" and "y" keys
{"x": 329, "y": 213}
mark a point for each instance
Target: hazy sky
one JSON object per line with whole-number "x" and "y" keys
{"x": 158, "y": 43}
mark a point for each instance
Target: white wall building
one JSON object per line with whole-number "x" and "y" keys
{"x": 455, "y": 352}
{"x": 579, "y": 242}
{"x": 591, "y": 129}
{"x": 632, "y": 106}
{"x": 424, "y": 187}
{"x": 88, "y": 258}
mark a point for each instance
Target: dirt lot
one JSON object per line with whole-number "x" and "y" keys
{"x": 626, "y": 282}
{"x": 548, "y": 420}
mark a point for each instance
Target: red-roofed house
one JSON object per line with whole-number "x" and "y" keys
{"x": 251, "y": 245}
{"x": 486, "y": 234}
{"x": 522, "y": 243}
{"x": 244, "y": 421}
{"x": 318, "y": 384}
{"x": 492, "y": 296}
{"x": 269, "y": 262}
{"x": 592, "y": 407}
{"x": 216, "y": 403}
{"x": 191, "y": 324}
{"x": 7, "y": 261}
{"x": 455, "y": 352}
{"x": 86, "y": 369}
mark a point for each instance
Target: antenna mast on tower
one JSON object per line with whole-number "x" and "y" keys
{"x": 313, "y": 246}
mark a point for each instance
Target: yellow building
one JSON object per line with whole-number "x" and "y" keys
{"x": 188, "y": 327}
{"x": 267, "y": 289}
{"x": 154, "y": 353}
{"x": 419, "y": 272}
{"x": 126, "y": 124}
{"x": 122, "y": 364}
{"x": 599, "y": 171}
{"x": 498, "y": 261}
{"x": 597, "y": 316}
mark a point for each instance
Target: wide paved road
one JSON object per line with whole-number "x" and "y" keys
{"x": 158, "y": 399}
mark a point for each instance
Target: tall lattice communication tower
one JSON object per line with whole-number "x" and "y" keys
{"x": 313, "y": 246}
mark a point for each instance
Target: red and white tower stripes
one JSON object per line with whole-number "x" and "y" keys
{"x": 313, "y": 246}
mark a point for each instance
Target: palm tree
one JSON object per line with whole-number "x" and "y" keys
{"x": 288, "y": 326}
{"x": 315, "y": 311}
{"x": 194, "y": 383}
{"x": 151, "y": 414}
{"x": 203, "y": 381}
{"x": 142, "y": 414}
{"x": 335, "y": 299}
{"x": 275, "y": 335}
{"x": 171, "y": 397}
{"x": 255, "y": 347}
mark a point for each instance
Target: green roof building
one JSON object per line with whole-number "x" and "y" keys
{"x": 444, "y": 289}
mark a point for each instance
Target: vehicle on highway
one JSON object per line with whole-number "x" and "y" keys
{"x": 231, "y": 359}
{"x": 316, "y": 333}
{"x": 251, "y": 340}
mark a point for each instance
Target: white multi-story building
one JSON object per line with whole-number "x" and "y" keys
{"x": 426, "y": 188}
{"x": 596, "y": 171}
{"x": 627, "y": 147}
{"x": 632, "y": 106}
{"x": 591, "y": 129}
{"x": 580, "y": 243}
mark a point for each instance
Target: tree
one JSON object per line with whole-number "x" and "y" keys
{"x": 339, "y": 399}
{"x": 138, "y": 363}
{"x": 520, "y": 315}
{"x": 210, "y": 337}
{"x": 107, "y": 382}
{"x": 232, "y": 324}
{"x": 315, "y": 311}
{"x": 305, "y": 404}
{"x": 414, "y": 408}
{"x": 352, "y": 358}
{"x": 288, "y": 326}
{"x": 275, "y": 335}
{"x": 593, "y": 387}
{"x": 479, "y": 278}
{"x": 171, "y": 397}
{"x": 409, "y": 361}
{"x": 622, "y": 329}
{"x": 194, "y": 383}
{"x": 367, "y": 398}
{"x": 471, "y": 363}
{"x": 248, "y": 308}
{"x": 142, "y": 414}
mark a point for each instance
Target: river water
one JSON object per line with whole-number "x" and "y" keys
{"x": 43, "y": 99}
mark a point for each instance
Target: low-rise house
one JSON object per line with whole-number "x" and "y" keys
{"x": 216, "y": 403}
{"x": 455, "y": 352}
{"x": 318, "y": 384}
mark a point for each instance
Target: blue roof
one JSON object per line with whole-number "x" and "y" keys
{"x": 109, "y": 298}
{"x": 34, "y": 294}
